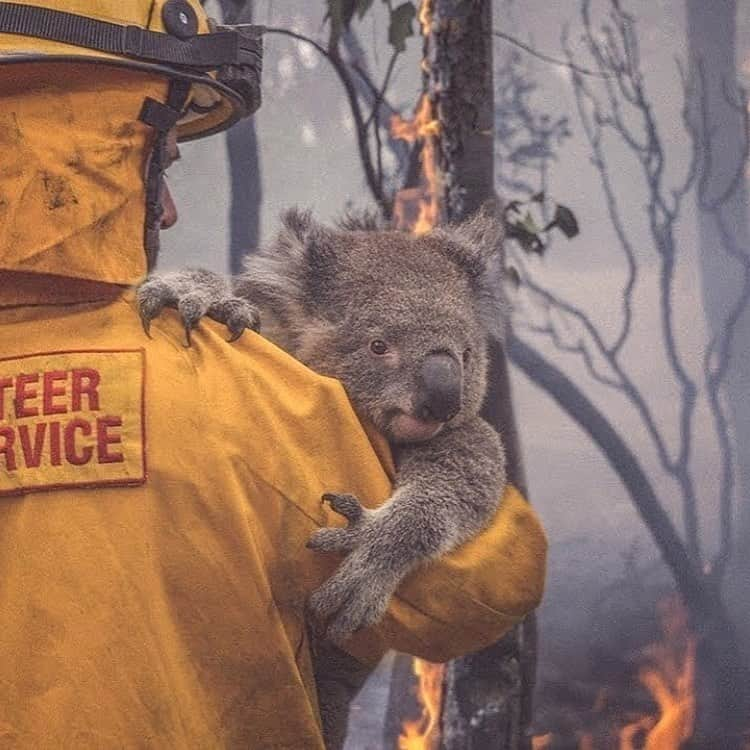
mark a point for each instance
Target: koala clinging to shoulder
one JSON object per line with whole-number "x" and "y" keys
{"x": 404, "y": 323}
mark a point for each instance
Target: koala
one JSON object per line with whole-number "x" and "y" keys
{"x": 404, "y": 323}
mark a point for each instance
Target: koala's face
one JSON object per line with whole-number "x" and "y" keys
{"x": 401, "y": 330}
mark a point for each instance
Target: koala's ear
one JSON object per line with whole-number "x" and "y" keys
{"x": 282, "y": 274}
{"x": 475, "y": 245}
{"x": 366, "y": 220}
{"x": 304, "y": 240}
{"x": 474, "y": 241}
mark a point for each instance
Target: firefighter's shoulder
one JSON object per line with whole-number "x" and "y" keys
{"x": 294, "y": 427}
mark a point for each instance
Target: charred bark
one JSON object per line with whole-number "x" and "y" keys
{"x": 487, "y": 700}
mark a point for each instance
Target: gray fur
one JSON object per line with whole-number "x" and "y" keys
{"x": 325, "y": 295}
{"x": 195, "y": 293}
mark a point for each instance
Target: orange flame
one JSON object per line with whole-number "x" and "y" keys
{"x": 424, "y": 733}
{"x": 670, "y": 678}
{"x": 541, "y": 741}
{"x": 669, "y": 675}
{"x": 418, "y": 208}
{"x": 426, "y": 13}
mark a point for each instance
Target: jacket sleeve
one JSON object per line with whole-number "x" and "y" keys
{"x": 469, "y": 598}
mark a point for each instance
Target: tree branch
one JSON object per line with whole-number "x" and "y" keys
{"x": 621, "y": 458}
{"x": 332, "y": 54}
{"x": 619, "y": 53}
{"x": 547, "y": 58}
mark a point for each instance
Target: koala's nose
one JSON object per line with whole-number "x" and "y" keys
{"x": 440, "y": 392}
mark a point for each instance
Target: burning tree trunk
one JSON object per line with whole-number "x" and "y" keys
{"x": 487, "y": 695}
{"x": 486, "y": 701}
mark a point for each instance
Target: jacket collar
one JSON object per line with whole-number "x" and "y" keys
{"x": 21, "y": 289}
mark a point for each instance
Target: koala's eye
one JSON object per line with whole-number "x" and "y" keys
{"x": 467, "y": 356}
{"x": 378, "y": 347}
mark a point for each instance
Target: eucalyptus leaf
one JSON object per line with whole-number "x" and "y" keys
{"x": 400, "y": 27}
{"x": 528, "y": 241}
{"x": 530, "y": 225}
{"x": 566, "y": 220}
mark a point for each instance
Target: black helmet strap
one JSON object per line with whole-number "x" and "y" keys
{"x": 161, "y": 117}
{"x": 203, "y": 51}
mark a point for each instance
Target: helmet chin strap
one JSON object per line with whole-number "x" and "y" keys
{"x": 162, "y": 117}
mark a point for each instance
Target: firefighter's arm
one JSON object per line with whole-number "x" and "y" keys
{"x": 306, "y": 441}
{"x": 469, "y": 598}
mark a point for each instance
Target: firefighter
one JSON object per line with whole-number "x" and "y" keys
{"x": 156, "y": 499}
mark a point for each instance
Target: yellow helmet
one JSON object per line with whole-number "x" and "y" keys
{"x": 215, "y": 69}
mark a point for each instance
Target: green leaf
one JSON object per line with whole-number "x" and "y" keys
{"x": 530, "y": 225}
{"x": 401, "y": 25}
{"x": 529, "y": 242}
{"x": 566, "y": 220}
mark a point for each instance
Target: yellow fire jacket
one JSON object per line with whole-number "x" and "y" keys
{"x": 155, "y": 500}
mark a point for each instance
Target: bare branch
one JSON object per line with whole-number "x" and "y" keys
{"x": 622, "y": 459}
{"x": 547, "y": 58}
{"x": 616, "y": 51}
{"x": 688, "y": 92}
{"x": 380, "y": 95}
{"x": 333, "y": 55}
{"x": 593, "y": 132}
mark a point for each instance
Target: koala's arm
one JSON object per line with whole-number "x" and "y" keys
{"x": 450, "y": 486}
{"x": 194, "y": 293}
{"x": 467, "y": 599}
{"x": 446, "y": 492}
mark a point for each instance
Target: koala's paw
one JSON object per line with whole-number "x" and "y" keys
{"x": 341, "y": 540}
{"x": 153, "y": 295}
{"x": 195, "y": 294}
{"x": 237, "y": 314}
{"x": 353, "y": 598}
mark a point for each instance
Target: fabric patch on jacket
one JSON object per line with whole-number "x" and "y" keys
{"x": 71, "y": 419}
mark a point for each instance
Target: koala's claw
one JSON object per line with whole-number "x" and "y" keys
{"x": 237, "y": 315}
{"x": 146, "y": 323}
{"x": 195, "y": 294}
{"x": 345, "y": 505}
{"x": 357, "y": 594}
{"x": 153, "y": 296}
{"x": 340, "y": 540}
{"x": 192, "y": 307}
